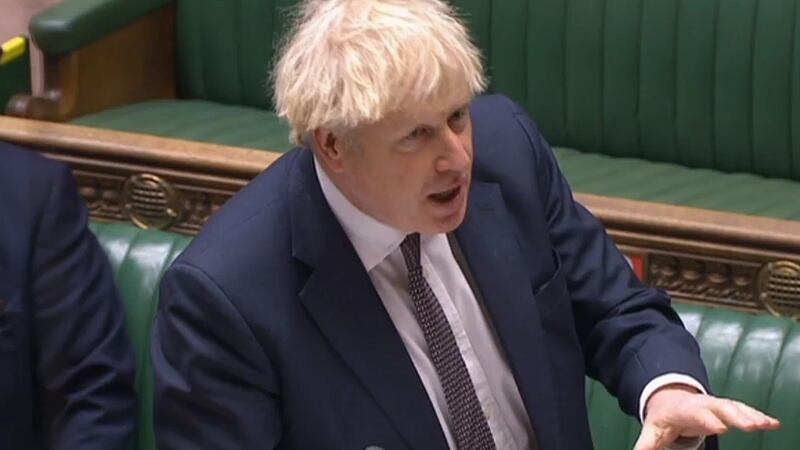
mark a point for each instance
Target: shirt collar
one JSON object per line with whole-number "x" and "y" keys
{"x": 372, "y": 239}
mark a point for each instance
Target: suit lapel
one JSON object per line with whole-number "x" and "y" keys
{"x": 341, "y": 299}
{"x": 489, "y": 244}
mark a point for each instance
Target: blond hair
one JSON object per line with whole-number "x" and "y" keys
{"x": 349, "y": 62}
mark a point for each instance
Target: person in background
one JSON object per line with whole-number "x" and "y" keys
{"x": 416, "y": 274}
{"x": 66, "y": 364}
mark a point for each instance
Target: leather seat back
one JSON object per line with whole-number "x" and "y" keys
{"x": 139, "y": 259}
{"x": 225, "y": 49}
{"x": 752, "y": 358}
{"x": 710, "y": 84}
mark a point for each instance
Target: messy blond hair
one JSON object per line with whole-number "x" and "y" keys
{"x": 349, "y": 62}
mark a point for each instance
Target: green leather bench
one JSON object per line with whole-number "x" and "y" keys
{"x": 139, "y": 259}
{"x": 754, "y": 358}
{"x": 686, "y": 103}
{"x": 682, "y": 102}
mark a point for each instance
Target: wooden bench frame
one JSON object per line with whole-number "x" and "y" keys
{"x": 83, "y": 81}
{"x": 744, "y": 262}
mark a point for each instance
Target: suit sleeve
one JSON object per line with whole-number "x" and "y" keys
{"x": 84, "y": 360}
{"x": 629, "y": 333}
{"x": 215, "y": 387}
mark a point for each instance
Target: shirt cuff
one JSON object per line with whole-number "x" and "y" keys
{"x": 664, "y": 380}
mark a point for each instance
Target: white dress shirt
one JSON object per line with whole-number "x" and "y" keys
{"x": 378, "y": 247}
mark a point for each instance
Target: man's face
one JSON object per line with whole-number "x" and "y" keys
{"x": 412, "y": 169}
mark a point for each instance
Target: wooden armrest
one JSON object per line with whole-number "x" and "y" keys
{"x": 132, "y": 64}
{"x": 69, "y": 25}
{"x": 67, "y": 141}
{"x": 753, "y": 233}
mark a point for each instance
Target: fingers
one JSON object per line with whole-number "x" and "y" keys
{"x": 707, "y": 416}
{"x": 738, "y": 415}
{"x": 764, "y": 421}
{"x": 654, "y": 437}
{"x": 705, "y": 423}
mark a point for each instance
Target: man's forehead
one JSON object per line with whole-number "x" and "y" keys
{"x": 433, "y": 110}
{"x": 413, "y": 114}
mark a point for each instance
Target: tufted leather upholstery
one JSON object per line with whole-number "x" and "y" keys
{"x": 139, "y": 259}
{"x": 753, "y": 358}
{"x": 197, "y": 120}
{"x": 225, "y": 49}
{"x": 709, "y": 84}
{"x": 675, "y": 184}
{"x": 703, "y": 83}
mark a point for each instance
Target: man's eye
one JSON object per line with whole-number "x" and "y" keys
{"x": 417, "y": 134}
{"x": 457, "y": 119}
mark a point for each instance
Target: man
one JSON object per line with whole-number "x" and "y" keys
{"x": 66, "y": 365}
{"x": 418, "y": 277}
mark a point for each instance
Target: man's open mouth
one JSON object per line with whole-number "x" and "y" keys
{"x": 446, "y": 196}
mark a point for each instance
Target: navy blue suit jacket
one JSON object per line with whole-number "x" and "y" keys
{"x": 271, "y": 335}
{"x": 66, "y": 364}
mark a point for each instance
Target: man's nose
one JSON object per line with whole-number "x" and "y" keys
{"x": 455, "y": 155}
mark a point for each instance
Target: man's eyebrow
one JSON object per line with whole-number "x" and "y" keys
{"x": 462, "y": 107}
{"x": 419, "y": 124}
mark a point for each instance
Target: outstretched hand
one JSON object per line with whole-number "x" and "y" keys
{"x": 678, "y": 411}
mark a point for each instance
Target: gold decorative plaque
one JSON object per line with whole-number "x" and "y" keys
{"x": 779, "y": 288}
{"x": 151, "y": 202}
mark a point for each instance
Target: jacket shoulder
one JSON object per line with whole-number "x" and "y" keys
{"x": 27, "y": 183}
{"x": 250, "y": 229}
{"x": 20, "y": 165}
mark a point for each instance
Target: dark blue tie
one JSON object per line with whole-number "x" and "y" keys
{"x": 470, "y": 426}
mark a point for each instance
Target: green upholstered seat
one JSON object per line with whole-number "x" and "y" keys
{"x": 639, "y": 179}
{"x": 139, "y": 259}
{"x": 197, "y": 120}
{"x": 702, "y": 83}
{"x": 752, "y": 358}
{"x": 709, "y": 87}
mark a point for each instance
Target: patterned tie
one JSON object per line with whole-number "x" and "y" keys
{"x": 470, "y": 426}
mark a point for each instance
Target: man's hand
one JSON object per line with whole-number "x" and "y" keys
{"x": 680, "y": 411}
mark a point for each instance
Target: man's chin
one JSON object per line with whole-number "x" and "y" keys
{"x": 446, "y": 223}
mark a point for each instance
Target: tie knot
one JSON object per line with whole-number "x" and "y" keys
{"x": 410, "y": 249}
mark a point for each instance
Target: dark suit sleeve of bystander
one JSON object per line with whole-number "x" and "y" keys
{"x": 84, "y": 361}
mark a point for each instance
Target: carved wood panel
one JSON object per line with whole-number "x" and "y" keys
{"x": 757, "y": 286}
{"x": 150, "y": 201}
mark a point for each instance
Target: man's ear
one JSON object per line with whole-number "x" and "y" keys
{"x": 329, "y": 148}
